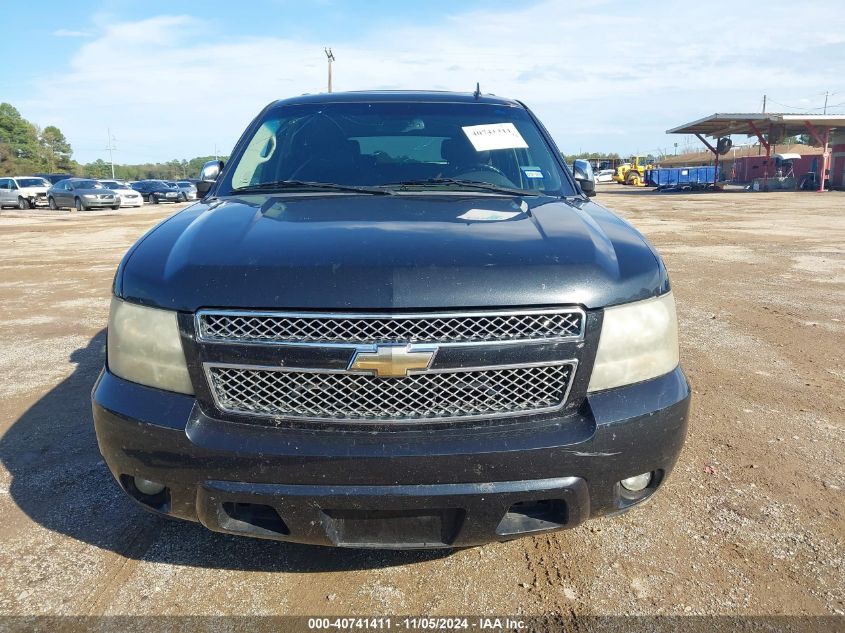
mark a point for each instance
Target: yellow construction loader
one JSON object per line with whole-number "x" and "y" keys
{"x": 633, "y": 172}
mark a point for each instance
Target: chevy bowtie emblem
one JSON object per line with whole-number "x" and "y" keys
{"x": 391, "y": 361}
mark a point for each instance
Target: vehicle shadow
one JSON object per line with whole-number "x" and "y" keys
{"x": 618, "y": 190}
{"x": 60, "y": 481}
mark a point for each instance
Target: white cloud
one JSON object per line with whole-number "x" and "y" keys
{"x": 600, "y": 77}
{"x": 70, "y": 33}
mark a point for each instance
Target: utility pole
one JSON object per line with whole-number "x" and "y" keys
{"x": 215, "y": 152}
{"x": 826, "y": 95}
{"x": 330, "y": 59}
{"x": 764, "y": 104}
{"x": 111, "y": 150}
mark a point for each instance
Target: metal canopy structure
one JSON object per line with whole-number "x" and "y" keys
{"x": 769, "y": 128}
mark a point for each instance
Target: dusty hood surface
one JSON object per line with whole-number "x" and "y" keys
{"x": 384, "y": 252}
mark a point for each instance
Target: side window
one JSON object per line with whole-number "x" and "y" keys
{"x": 4, "y": 184}
{"x": 12, "y": 184}
{"x": 260, "y": 150}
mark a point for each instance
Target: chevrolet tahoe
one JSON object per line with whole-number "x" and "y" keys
{"x": 394, "y": 320}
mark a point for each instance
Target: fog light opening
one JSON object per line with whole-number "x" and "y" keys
{"x": 147, "y": 487}
{"x": 637, "y": 483}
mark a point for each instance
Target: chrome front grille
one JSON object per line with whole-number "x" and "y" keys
{"x": 431, "y": 395}
{"x": 356, "y": 329}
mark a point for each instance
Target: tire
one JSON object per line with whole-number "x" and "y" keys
{"x": 183, "y": 197}
{"x": 153, "y": 199}
{"x": 115, "y": 207}
{"x": 23, "y": 203}
{"x": 52, "y": 204}
{"x": 77, "y": 203}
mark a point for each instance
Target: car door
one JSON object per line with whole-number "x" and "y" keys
{"x": 57, "y": 193}
{"x": 11, "y": 191}
{"x": 65, "y": 195}
{"x": 4, "y": 192}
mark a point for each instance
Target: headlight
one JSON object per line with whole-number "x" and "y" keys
{"x": 89, "y": 195}
{"x": 144, "y": 346}
{"x": 638, "y": 341}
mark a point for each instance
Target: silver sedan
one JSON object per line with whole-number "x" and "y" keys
{"x": 81, "y": 194}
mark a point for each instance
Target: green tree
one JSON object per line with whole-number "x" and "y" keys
{"x": 98, "y": 169}
{"x": 21, "y": 150}
{"x": 56, "y": 149}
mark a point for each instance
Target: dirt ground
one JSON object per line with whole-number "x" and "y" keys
{"x": 751, "y": 521}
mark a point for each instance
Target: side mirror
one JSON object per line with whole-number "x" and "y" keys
{"x": 583, "y": 172}
{"x": 208, "y": 175}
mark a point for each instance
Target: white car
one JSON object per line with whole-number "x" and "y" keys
{"x": 605, "y": 175}
{"x": 128, "y": 196}
{"x": 23, "y": 192}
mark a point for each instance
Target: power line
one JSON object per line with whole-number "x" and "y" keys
{"x": 823, "y": 107}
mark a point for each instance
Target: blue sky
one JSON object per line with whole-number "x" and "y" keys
{"x": 175, "y": 79}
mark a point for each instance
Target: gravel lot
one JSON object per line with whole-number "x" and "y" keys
{"x": 751, "y": 522}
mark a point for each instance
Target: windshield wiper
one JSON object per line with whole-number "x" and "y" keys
{"x": 474, "y": 184}
{"x": 306, "y": 185}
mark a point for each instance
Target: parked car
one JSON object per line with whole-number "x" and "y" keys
{"x": 81, "y": 194}
{"x": 54, "y": 178}
{"x": 183, "y": 197}
{"x": 188, "y": 189}
{"x": 23, "y": 192}
{"x": 127, "y": 195}
{"x": 397, "y": 320}
{"x": 155, "y": 191}
{"x": 605, "y": 175}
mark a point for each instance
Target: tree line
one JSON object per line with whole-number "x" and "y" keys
{"x": 569, "y": 158}
{"x": 26, "y": 149}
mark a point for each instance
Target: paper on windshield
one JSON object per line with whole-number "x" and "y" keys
{"x": 494, "y": 136}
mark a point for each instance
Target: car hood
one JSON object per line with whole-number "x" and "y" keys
{"x": 383, "y": 252}
{"x": 35, "y": 189}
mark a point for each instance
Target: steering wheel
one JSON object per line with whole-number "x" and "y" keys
{"x": 471, "y": 169}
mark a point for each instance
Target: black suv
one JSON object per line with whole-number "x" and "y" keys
{"x": 394, "y": 320}
{"x": 156, "y": 191}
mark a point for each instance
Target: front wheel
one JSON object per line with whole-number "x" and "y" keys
{"x": 78, "y": 204}
{"x": 23, "y": 203}
{"x": 115, "y": 207}
{"x": 52, "y": 204}
{"x": 183, "y": 197}
{"x": 153, "y": 199}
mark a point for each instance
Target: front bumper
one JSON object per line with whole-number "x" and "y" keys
{"x": 393, "y": 489}
{"x": 165, "y": 197}
{"x": 37, "y": 200}
{"x": 137, "y": 201}
{"x": 99, "y": 203}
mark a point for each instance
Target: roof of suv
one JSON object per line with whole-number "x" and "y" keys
{"x": 369, "y": 96}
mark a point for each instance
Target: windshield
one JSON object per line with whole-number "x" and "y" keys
{"x": 32, "y": 182}
{"x": 426, "y": 145}
{"x": 158, "y": 183}
{"x": 111, "y": 184}
{"x": 87, "y": 184}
